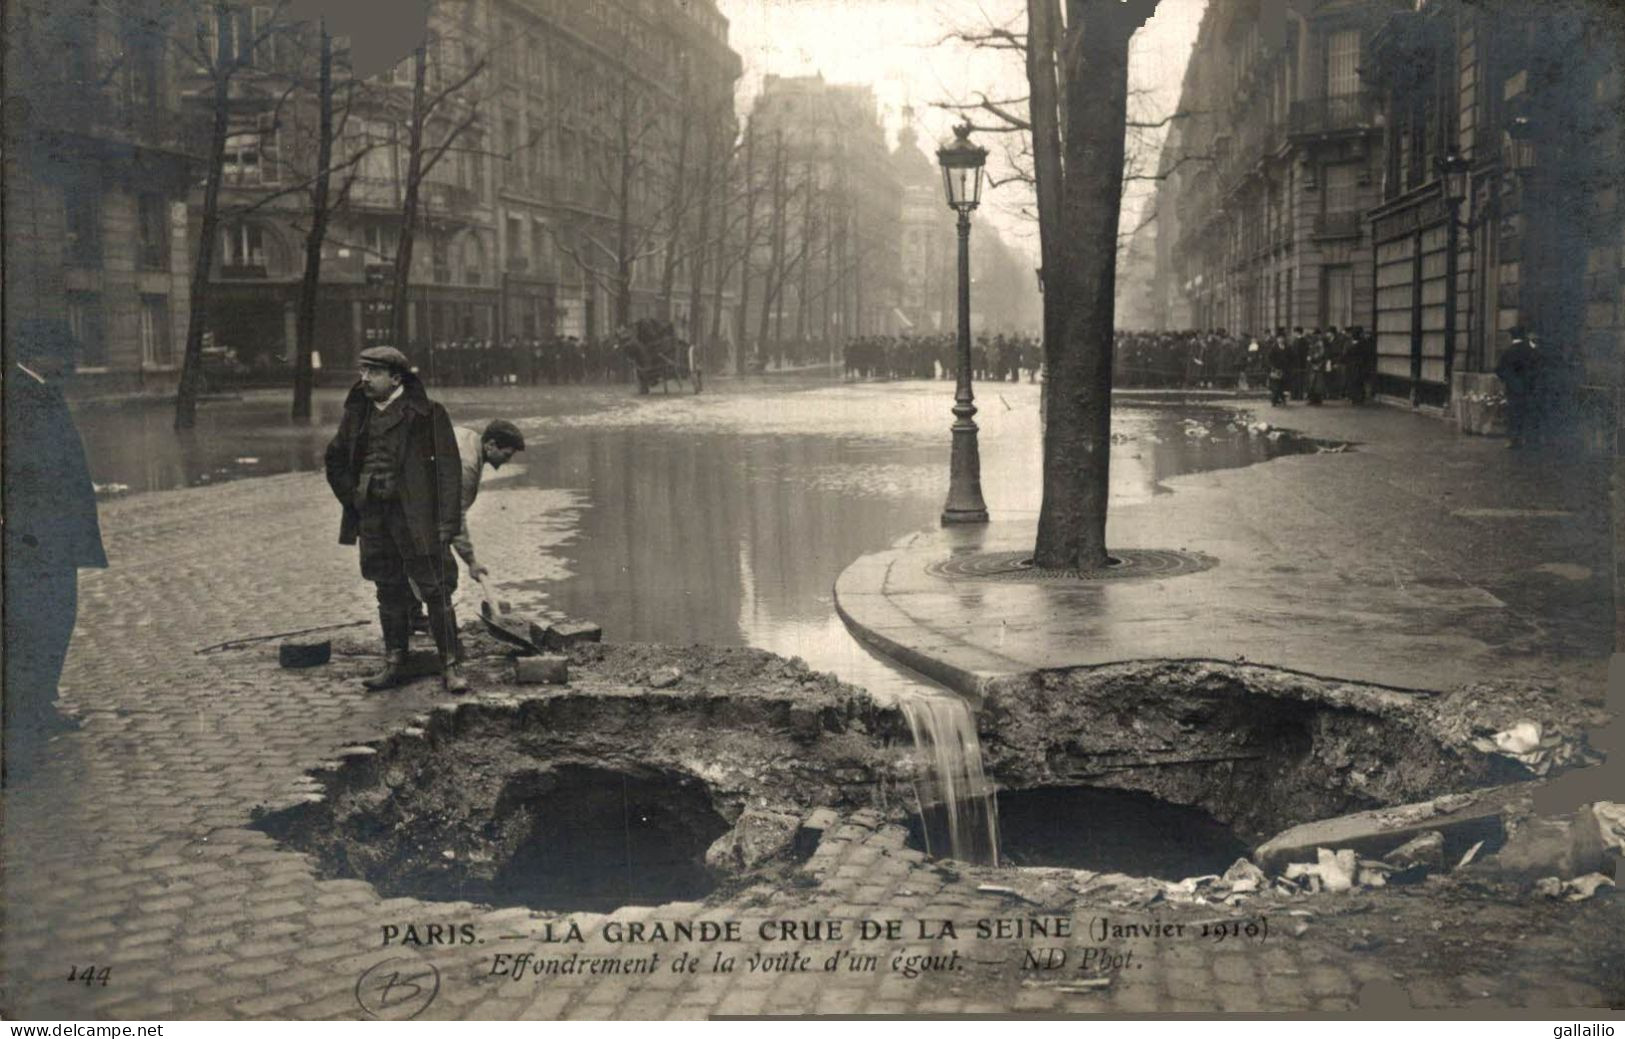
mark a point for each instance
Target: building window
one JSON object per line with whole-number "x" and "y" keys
{"x": 1337, "y": 299}
{"x": 82, "y": 204}
{"x": 512, "y": 165}
{"x": 380, "y": 242}
{"x": 1343, "y": 63}
{"x": 1339, "y": 192}
{"x": 251, "y": 156}
{"x": 157, "y": 348}
{"x": 231, "y": 37}
{"x": 143, "y": 83}
{"x": 243, "y": 248}
{"x": 440, "y": 259}
{"x": 474, "y": 261}
{"x": 152, "y": 212}
{"x": 85, "y": 321}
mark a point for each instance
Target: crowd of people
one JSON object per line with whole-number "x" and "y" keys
{"x": 1313, "y": 364}
{"x": 999, "y": 358}
{"x": 554, "y": 360}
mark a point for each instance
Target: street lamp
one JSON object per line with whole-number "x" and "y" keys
{"x": 961, "y": 163}
{"x": 1452, "y": 169}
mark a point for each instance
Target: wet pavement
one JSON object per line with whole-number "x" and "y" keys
{"x": 133, "y": 848}
{"x": 1421, "y": 559}
{"x": 721, "y": 518}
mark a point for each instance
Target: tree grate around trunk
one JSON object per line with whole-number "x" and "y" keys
{"x": 1125, "y": 564}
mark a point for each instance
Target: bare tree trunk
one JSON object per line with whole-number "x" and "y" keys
{"x": 807, "y": 231}
{"x": 1043, "y": 39}
{"x": 1078, "y": 351}
{"x": 740, "y": 362}
{"x": 186, "y": 393}
{"x": 775, "y": 271}
{"x": 409, "y": 206}
{"x": 702, "y": 248}
{"x": 304, "y": 372}
{"x": 623, "y": 215}
{"x": 719, "y": 280}
{"x": 677, "y": 206}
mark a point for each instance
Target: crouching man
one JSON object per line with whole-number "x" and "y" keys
{"x": 499, "y": 442}
{"x": 395, "y": 469}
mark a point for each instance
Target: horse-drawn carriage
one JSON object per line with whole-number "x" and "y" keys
{"x": 658, "y": 356}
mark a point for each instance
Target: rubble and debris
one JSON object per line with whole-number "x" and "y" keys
{"x": 544, "y": 670}
{"x": 1425, "y": 851}
{"x": 1470, "y": 854}
{"x": 664, "y": 678}
{"x": 1243, "y": 877}
{"x": 1577, "y": 890}
{"x": 757, "y": 836}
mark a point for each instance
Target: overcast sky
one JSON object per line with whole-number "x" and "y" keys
{"x": 906, "y": 50}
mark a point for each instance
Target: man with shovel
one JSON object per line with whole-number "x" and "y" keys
{"x": 499, "y": 442}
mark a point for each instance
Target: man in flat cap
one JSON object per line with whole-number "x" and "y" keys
{"x": 394, "y": 467}
{"x": 494, "y": 446}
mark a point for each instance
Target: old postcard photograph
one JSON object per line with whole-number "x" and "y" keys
{"x": 696, "y": 509}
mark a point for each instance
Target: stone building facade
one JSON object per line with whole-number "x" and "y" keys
{"x": 1307, "y": 186}
{"x": 520, "y": 229}
{"x": 1271, "y": 168}
{"x": 1526, "y": 101}
{"x": 844, "y": 187}
{"x": 928, "y": 244}
{"x": 98, "y": 165}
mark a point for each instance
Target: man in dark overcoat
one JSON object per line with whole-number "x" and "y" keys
{"x": 51, "y": 531}
{"x": 1519, "y": 370}
{"x": 395, "y": 469}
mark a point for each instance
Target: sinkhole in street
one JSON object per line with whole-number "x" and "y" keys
{"x": 589, "y": 800}
{"x": 596, "y": 838}
{"x": 1108, "y": 831}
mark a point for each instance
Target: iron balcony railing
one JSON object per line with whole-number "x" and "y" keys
{"x": 1332, "y": 114}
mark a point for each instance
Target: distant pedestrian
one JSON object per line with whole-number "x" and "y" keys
{"x": 394, "y": 468}
{"x": 1519, "y": 372}
{"x": 51, "y": 531}
{"x": 1278, "y": 360}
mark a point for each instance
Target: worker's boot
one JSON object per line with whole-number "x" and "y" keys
{"x": 451, "y": 677}
{"x": 393, "y": 674}
{"x": 443, "y": 625}
{"x": 397, "y": 625}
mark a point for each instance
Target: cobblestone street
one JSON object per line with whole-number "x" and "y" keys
{"x": 132, "y": 851}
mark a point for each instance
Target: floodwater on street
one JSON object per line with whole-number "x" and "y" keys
{"x": 723, "y": 518}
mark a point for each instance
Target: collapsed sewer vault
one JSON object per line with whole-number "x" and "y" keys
{"x": 615, "y": 793}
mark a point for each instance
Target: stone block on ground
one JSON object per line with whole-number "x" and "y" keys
{"x": 758, "y": 836}
{"x": 664, "y": 678}
{"x": 1563, "y": 847}
{"x": 1462, "y": 819}
{"x": 812, "y": 829}
{"x": 544, "y": 670}
{"x": 1417, "y": 857}
{"x": 304, "y": 652}
{"x": 564, "y": 634}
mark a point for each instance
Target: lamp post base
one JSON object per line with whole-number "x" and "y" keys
{"x": 965, "y": 504}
